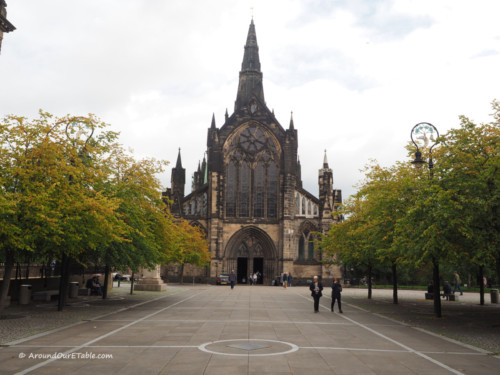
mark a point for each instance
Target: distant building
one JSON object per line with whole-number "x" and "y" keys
{"x": 247, "y": 193}
{"x": 5, "y": 25}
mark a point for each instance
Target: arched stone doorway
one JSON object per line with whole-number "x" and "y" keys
{"x": 251, "y": 250}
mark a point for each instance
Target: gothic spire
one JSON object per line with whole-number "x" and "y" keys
{"x": 291, "y": 127}
{"x": 213, "y": 121}
{"x": 325, "y": 161}
{"x": 251, "y": 59}
{"x": 179, "y": 162}
{"x": 250, "y": 86}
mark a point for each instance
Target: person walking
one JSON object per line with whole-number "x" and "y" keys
{"x": 316, "y": 288}
{"x": 285, "y": 279}
{"x": 336, "y": 290}
{"x": 255, "y": 279}
{"x": 290, "y": 279}
{"x": 232, "y": 279}
{"x": 457, "y": 282}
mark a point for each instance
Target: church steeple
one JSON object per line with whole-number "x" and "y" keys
{"x": 325, "y": 161}
{"x": 178, "y": 182}
{"x": 250, "y": 86}
{"x": 179, "y": 162}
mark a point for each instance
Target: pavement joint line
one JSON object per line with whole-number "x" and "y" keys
{"x": 13, "y": 343}
{"x": 35, "y": 367}
{"x": 471, "y": 347}
{"x": 197, "y": 346}
{"x": 420, "y": 354}
{"x": 230, "y": 321}
{"x": 435, "y": 335}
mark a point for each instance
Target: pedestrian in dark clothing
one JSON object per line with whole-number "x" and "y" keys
{"x": 232, "y": 279}
{"x": 446, "y": 290}
{"x": 316, "y": 287}
{"x": 290, "y": 279}
{"x": 336, "y": 290}
{"x": 430, "y": 287}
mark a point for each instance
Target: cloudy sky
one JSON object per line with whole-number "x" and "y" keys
{"x": 357, "y": 74}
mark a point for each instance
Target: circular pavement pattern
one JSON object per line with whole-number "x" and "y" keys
{"x": 248, "y": 347}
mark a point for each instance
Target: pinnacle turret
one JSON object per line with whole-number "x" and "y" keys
{"x": 212, "y": 126}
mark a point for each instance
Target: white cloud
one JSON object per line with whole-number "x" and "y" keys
{"x": 357, "y": 74}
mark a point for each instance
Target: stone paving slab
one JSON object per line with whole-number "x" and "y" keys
{"x": 194, "y": 332}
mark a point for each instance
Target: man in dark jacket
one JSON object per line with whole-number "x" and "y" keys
{"x": 232, "y": 279}
{"x": 316, "y": 287}
{"x": 336, "y": 289}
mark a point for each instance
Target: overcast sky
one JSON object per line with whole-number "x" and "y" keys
{"x": 357, "y": 74}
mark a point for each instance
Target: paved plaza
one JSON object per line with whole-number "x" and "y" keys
{"x": 249, "y": 330}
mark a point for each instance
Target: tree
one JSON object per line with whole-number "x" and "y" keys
{"x": 187, "y": 244}
{"x": 350, "y": 241}
{"x": 70, "y": 193}
{"x": 147, "y": 226}
{"x": 468, "y": 168}
{"x": 387, "y": 193}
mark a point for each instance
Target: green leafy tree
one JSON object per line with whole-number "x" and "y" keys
{"x": 351, "y": 241}
{"x": 468, "y": 168}
{"x": 187, "y": 245}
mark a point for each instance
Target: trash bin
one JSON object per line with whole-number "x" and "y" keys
{"x": 25, "y": 294}
{"x": 73, "y": 289}
{"x": 494, "y": 295}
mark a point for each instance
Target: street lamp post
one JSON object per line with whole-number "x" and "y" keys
{"x": 79, "y": 131}
{"x": 424, "y": 135}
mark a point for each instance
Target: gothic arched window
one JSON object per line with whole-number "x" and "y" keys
{"x": 272, "y": 190}
{"x": 297, "y": 203}
{"x": 301, "y": 248}
{"x": 252, "y": 157}
{"x": 231, "y": 190}
{"x": 258, "y": 190}
{"x": 303, "y": 206}
{"x": 244, "y": 191}
{"x": 306, "y": 243}
{"x": 310, "y": 247}
{"x": 309, "y": 210}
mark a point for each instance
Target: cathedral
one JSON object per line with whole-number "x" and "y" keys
{"x": 247, "y": 194}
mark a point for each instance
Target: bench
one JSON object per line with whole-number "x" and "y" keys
{"x": 449, "y": 297}
{"x": 44, "y": 295}
{"x": 84, "y": 291}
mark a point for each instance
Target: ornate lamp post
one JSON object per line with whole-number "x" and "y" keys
{"x": 78, "y": 131}
{"x": 424, "y": 135}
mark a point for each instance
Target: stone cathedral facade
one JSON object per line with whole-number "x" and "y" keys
{"x": 247, "y": 194}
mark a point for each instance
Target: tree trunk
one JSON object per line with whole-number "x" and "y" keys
{"x": 9, "y": 266}
{"x": 106, "y": 280}
{"x": 132, "y": 284}
{"x": 370, "y": 282}
{"x": 437, "y": 288}
{"x": 481, "y": 285}
{"x": 181, "y": 274}
{"x": 394, "y": 283}
{"x": 28, "y": 270}
{"x": 63, "y": 282}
